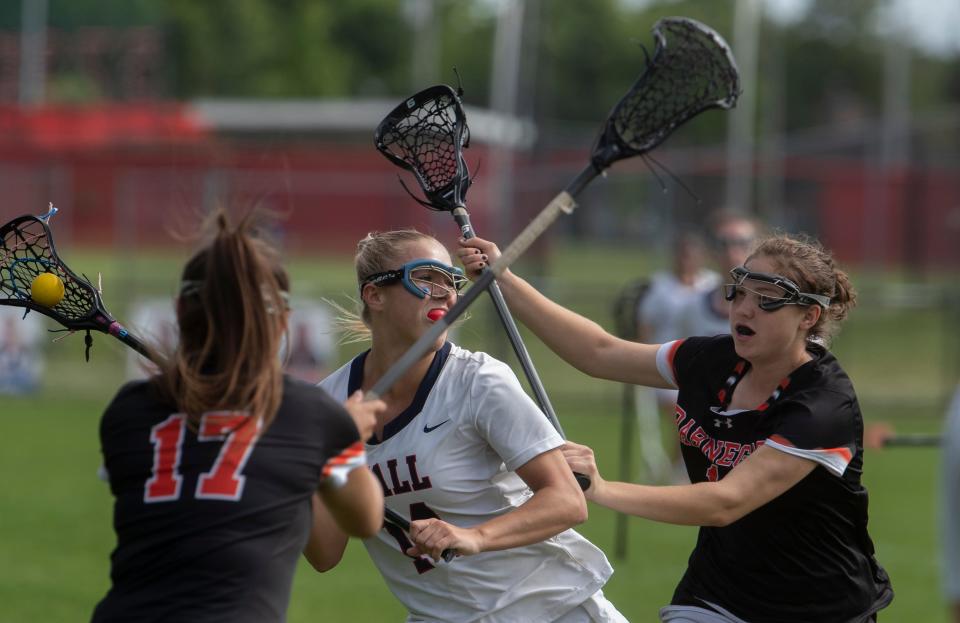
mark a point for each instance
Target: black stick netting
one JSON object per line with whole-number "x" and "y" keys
{"x": 692, "y": 70}
{"x": 425, "y": 135}
{"x": 27, "y": 252}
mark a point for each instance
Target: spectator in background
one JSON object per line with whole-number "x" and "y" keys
{"x": 21, "y": 364}
{"x": 731, "y": 236}
{"x": 310, "y": 345}
{"x": 306, "y": 352}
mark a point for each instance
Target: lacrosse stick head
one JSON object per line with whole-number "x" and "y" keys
{"x": 27, "y": 251}
{"x": 426, "y": 135}
{"x": 692, "y": 70}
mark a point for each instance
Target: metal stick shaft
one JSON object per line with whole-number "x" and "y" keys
{"x": 462, "y": 218}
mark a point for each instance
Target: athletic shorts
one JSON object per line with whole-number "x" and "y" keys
{"x": 692, "y": 614}
{"x": 596, "y": 609}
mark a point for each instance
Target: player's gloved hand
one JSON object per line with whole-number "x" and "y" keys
{"x": 581, "y": 460}
{"x": 432, "y": 536}
{"x": 364, "y": 413}
{"x": 476, "y": 254}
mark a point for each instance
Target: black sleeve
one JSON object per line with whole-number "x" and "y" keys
{"x": 695, "y": 357}
{"x": 818, "y": 425}
{"x": 340, "y": 431}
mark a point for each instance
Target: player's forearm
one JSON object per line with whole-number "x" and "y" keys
{"x": 550, "y": 511}
{"x": 327, "y": 541}
{"x": 577, "y": 340}
{"x": 701, "y": 504}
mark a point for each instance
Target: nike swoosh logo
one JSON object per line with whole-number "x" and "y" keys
{"x": 427, "y": 428}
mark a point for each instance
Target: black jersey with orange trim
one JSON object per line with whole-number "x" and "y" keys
{"x": 806, "y": 555}
{"x": 210, "y": 523}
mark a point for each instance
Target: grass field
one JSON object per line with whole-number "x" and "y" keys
{"x": 55, "y": 530}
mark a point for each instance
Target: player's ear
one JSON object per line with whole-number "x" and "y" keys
{"x": 372, "y": 296}
{"x": 811, "y": 314}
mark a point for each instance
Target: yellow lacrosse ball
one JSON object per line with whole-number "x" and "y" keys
{"x": 47, "y": 289}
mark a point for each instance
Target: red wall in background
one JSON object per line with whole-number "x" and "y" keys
{"x": 131, "y": 175}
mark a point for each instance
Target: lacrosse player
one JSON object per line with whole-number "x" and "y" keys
{"x": 770, "y": 432}
{"x": 468, "y": 456}
{"x": 214, "y": 462}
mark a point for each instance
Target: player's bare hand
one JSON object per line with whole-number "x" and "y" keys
{"x": 876, "y": 435}
{"x": 431, "y": 537}
{"x": 476, "y": 254}
{"x": 364, "y": 413}
{"x": 581, "y": 460}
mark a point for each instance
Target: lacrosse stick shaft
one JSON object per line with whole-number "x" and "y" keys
{"x": 922, "y": 440}
{"x": 462, "y": 218}
{"x": 561, "y": 204}
{"x": 401, "y": 522}
{"x": 120, "y": 332}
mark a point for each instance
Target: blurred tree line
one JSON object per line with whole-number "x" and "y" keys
{"x": 577, "y": 57}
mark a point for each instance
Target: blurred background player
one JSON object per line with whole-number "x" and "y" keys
{"x": 215, "y": 462}
{"x": 950, "y": 508}
{"x": 21, "y": 360}
{"x": 659, "y": 312}
{"x": 731, "y": 235}
{"x": 771, "y": 435}
{"x": 310, "y": 346}
{"x": 468, "y": 456}
{"x": 306, "y": 351}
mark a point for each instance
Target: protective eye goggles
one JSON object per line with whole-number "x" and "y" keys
{"x": 772, "y": 291}
{"x": 422, "y": 278}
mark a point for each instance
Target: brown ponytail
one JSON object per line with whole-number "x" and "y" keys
{"x": 231, "y": 313}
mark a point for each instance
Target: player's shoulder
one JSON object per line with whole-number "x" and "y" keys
{"x": 714, "y": 350}
{"x": 336, "y": 383}
{"x": 302, "y": 391}
{"x": 137, "y": 403}
{"x": 134, "y": 396}
{"x": 474, "y": 364}
{"x": 823, "y": 382}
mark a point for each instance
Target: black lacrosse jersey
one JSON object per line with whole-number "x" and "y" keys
{"x": 806, "y": 555}
{"x": 210, "y": 523}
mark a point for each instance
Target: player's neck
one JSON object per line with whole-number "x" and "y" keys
{"x": 766, "y": 375}
{"x": 399, "y": 396}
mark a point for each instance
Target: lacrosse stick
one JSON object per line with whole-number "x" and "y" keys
{"x": 425, "y": 135}
{"x": 692, "y": 70}
{"x": 916, "y": 440}
{"x": 27, "y": 253}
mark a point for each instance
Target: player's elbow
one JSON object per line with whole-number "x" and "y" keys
{"x": 365, "y": 524}
{"x": 324, "y": 562}
{"x": 580, "y": 514}
{"x": 357, "y": 507}
{"x": 574, "y": 509}
{"x": 724, "y": 510}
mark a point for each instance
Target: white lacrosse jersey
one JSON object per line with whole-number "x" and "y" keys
{"x": 452, "y": 455}
{"x": 661, "y": 306}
